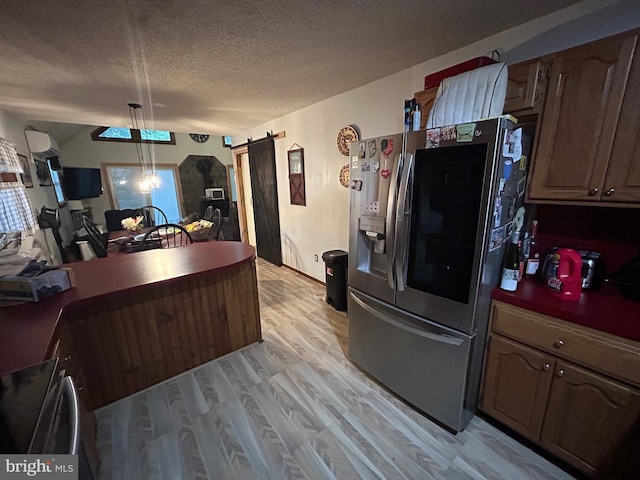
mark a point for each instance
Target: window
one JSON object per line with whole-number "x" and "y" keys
{"x": 15, "y": 209}
{"x": 122, "y": 183}
{"x": 56, "y": 179}
{"x": 120, "y": 134}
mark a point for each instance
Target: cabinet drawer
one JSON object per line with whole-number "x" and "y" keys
{"x": 599, "y": 351}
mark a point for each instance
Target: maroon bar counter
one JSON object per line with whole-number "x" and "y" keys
{"x": 134, "y": 320}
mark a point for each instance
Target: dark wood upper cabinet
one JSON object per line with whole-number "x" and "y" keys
{"x": 525, "y": 88}
{"x": 622, "y": 182}
{"x": 425, "y": 98}
{"x": 584, "y": 100}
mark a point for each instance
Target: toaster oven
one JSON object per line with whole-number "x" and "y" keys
{"x": 592, "y": 268}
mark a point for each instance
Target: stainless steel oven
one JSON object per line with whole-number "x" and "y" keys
{"x": 39, "y": 413}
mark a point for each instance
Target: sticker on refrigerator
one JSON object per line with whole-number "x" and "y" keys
{"x": 512, "y": 145}
{"x": 356, "y": 185}
{"x": 386, "y": 146}
{"x": 464, "y": 132}
{"x": 501, "y": 186}
{"x": 497, "y": 212}
{"x": 354, "y": 162}
{"x": 506, "y": 170}
{"x": 497, "y": 237}
{"x": 375, "y": 166}
{"x": 372, "y": 148}
{"x": 362, "y": 149}
{"x": 448, "y": 133}
{"x": 365, "y": 167}
{"x": 433, "y": 138}
{"x": 385, "y": 169}
{"x": 523, "y": 163}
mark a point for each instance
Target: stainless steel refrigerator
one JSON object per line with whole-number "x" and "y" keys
{"x": 430, "y": 214}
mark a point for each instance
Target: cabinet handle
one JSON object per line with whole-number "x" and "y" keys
{"x": 558, "y": 343}
{"x": 561, "y": 372}
{"x": 609, "y": 192}
{"x": 546, "y": 367}
{"x": 593, "y": 192}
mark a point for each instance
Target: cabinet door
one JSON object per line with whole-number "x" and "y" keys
{"x": 623, "y": 176}
{"x": 524, "y": 87}
{"x": 425, "y": 98}
{"x": 587, "y": 415}
{"x": 515, "y": 386}
{"x": 583, "y": 100}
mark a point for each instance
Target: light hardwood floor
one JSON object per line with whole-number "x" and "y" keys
{"x": 295, "y": 407}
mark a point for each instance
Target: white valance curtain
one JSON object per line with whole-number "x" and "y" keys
{"x": 15, "y": 209}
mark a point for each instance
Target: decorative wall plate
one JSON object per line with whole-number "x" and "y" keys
{"x": 346, "y": 135}
{"x": 345, "y": 174}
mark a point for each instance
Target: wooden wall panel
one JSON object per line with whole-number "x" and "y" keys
{"x": 131, "y": 342}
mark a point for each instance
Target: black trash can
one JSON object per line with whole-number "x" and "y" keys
{"x": 336, "y": 262}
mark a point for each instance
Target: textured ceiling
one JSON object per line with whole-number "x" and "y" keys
{"x": 222, "y": 66}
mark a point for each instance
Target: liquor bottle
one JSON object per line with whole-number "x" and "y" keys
{"x": 521, "y": 262}
{"x": 533, "y": 261}
{"x": 511, "y": 264}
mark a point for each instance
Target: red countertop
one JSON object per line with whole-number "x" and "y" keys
{"x": 604, "y": 310}
{"x": 27, "y": 330}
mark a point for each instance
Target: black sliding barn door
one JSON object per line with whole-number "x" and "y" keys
{"x": 264, "y": 188}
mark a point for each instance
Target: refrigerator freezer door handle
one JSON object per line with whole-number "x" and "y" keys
{"x": 438, "y": 337}
{"x": 402, "y": 216}
{"x": 390, "y": 221}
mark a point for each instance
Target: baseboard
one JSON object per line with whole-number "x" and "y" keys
{"x": 304, "y": 275}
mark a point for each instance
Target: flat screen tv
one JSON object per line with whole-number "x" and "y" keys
{"x": 81, "y": 182}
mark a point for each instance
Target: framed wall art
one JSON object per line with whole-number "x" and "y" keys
{"x": 296, "y": 175}
{"x": 42, "y": 171}
{"x": 25, "y": 176}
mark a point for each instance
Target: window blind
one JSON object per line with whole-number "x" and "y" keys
{"x": 15, "y": 208}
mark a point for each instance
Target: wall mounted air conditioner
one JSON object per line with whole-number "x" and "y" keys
{"x": 40, "y": 142}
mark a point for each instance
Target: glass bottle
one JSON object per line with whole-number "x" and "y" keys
{"x": 533, "y": 261}
{"x": 511, "y": 264}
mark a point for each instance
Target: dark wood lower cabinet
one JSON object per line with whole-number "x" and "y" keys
{"x": 517, "y": 382}
{"x": 581, "y": 416}
{"x": 587, "y": 416}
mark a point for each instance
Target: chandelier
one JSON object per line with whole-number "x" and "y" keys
{"x": 147, "y": 180}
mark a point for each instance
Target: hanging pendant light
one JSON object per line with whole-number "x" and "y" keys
{"x": 147, "y": 180}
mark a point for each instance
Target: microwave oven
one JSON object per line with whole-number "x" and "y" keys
{"x": 214, "y": 193}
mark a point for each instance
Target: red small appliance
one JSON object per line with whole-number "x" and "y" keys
{"x": 566, "y": 284}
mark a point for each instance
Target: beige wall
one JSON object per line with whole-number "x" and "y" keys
{"x": 376, "y": 109}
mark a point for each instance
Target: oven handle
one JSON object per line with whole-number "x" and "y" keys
{"x": 69, "y": 389}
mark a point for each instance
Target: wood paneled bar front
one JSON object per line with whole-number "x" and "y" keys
{"x": 135, "y": 320}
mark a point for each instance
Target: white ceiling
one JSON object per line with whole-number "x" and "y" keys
{"x": 223, "y": 66}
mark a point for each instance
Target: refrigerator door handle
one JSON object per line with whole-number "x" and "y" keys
{"x": 402, "y": 216}
{"x": 438, "y": 337}
{"x": 391, "y": 217}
